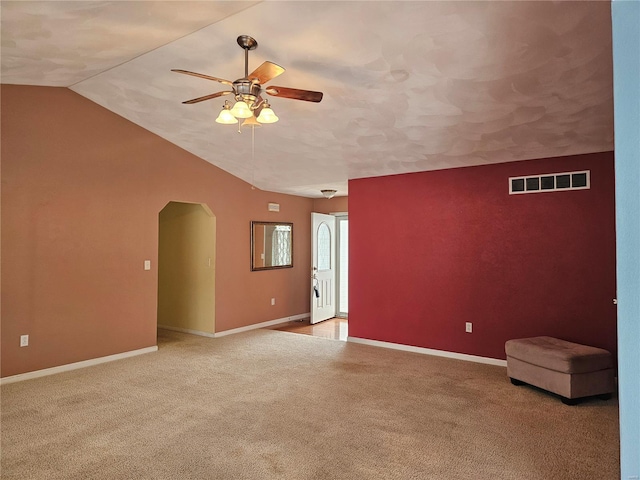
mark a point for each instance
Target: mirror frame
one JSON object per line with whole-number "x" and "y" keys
{"x": 255, "y": 268}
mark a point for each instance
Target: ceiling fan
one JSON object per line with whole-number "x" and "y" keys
{"x": 248, "y": 90}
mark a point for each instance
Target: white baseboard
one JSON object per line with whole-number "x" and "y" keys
{"x": 429, "y": 351}
{"x": 188, "y": 330}
{"x": 269, "y": 323}
{"x": 224, "y": 333}
{"x": 74, "y": 366}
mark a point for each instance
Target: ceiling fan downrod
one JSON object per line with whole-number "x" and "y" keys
{"x": 247, "y": 43}
{"x": 247, "y": 90}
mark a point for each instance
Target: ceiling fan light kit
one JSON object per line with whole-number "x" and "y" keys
{"x": 247, "y": 90}
{"x": 241, "y": 110}
{"x": 267, "y": 115}
{"x": 251, "y": 122}
{"x": 226, "y": 117}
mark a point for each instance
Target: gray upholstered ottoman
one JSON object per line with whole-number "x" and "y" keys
{"x": 568, "y": 369}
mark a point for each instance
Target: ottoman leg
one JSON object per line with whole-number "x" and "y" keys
{"x": 570, "y": 401}
{"x": 515, "y": 381}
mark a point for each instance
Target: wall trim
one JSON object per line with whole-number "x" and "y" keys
{"x": 187, "y": 330}
{"x": 233, "y": 331}
{"x": 263, "y": 324}
{"x": 429, "y": 351}
{"x": 75, "y": 366}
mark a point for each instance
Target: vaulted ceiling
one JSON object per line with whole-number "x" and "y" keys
{"x": 408, "y": 86}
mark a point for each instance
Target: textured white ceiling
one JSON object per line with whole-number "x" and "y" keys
{"x": 408, "y": 86}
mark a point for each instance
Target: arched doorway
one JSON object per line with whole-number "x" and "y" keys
{"x": 186, "y": 268}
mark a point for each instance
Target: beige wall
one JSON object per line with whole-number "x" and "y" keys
{"x": 82, "y": 189}
{"x": 186, "y": 267}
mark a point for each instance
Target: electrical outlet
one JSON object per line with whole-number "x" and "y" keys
{"x": 273, "y": 301}
{"x": 24, "y": 340}
{"x": 468, "y": 327}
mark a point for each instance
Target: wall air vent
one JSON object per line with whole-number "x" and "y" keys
{"x": 551, "y": 182}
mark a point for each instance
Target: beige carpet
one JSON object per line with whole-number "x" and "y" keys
{"x": 276, "y": 405}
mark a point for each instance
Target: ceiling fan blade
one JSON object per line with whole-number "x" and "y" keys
{"x": 295, "y": 94}
{"x": 201, "y": 75}
{"x": 266, "y": 72}
{"x": 207, "y": 97}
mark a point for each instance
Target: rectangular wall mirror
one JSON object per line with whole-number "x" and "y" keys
{"x": 271, "y": 245}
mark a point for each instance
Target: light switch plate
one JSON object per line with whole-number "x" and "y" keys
{"x": 147, "y": 264}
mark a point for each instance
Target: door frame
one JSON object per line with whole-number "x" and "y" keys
{"x": 340, "y": 263}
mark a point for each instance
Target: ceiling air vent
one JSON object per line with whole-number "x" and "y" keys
{"x": 551, "y": 182}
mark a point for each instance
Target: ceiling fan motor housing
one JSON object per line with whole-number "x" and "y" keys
{"x": 246, "y": 90}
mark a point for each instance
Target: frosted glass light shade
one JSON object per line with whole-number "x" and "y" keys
{"x": 241, "y": 110}
{"x": 328, "y": 193}
{"x": 251, "y": 122}
{"x": 267, "y": 116}
{"x": 225, "y": 117}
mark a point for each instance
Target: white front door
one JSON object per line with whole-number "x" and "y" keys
{"x": 323, "y": 267}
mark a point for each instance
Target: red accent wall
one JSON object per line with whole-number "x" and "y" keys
{"x": 433, "y": 250}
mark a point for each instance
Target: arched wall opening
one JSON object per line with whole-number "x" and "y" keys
{"x": 186, "y": 268}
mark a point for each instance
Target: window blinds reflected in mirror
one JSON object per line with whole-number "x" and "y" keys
{"x": 271, "y": 245}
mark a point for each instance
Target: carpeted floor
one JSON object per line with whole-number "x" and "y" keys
{"x": 275, "y": 405}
